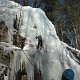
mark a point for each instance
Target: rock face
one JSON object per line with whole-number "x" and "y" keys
{"x": 3, "y": 32}
{"x": 4, "y": 56}
{"x": 4, "y": 62}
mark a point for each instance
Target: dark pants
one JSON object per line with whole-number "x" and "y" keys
{"x": 39, "y": 44}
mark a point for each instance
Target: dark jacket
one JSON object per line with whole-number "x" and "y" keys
{"x": 39, "y": 37}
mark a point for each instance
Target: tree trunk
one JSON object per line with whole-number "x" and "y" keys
{"x": 75, "y": 31}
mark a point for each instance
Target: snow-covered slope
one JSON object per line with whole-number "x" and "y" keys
{"x": 56, "y": 55}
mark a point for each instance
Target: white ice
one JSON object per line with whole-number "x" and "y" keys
{"x": 53, "y": 59}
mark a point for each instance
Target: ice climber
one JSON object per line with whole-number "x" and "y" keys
{"x": 40, "y": 44}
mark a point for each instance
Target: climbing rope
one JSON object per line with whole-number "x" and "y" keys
{"x": 24, "y": 53}
{"x": 28, "y": 58}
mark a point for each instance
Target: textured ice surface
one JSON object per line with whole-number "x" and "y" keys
{"x": 53, "y": 59}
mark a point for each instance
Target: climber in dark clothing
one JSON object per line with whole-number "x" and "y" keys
{"x": 40, "y": 44}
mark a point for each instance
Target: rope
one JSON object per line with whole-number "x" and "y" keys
{"x": 28, "y": 58}
{"x": 24, "y": 52}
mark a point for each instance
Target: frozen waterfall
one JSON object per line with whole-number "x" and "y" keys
{"x": 56, "y": 55}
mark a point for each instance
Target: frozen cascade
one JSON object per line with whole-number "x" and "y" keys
{"x": 55, "y": 57}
